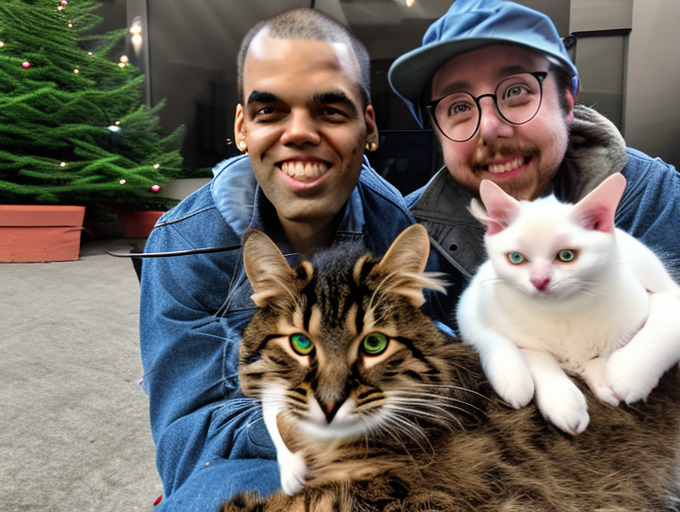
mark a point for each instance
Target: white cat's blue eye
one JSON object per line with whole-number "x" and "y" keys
{"x": 516, "y": 258}
{"x": 566, "y": 255}
{"x": 301, "y": 344}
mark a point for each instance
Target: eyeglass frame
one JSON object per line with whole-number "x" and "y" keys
{"x": 540, "y": 76}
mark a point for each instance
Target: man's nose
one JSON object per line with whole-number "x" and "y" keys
{"x": 491, "y": 124}
{"x": 301, "y": 128}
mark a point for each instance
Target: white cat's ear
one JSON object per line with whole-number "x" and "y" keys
{"x": 596, "y": 210}
{"x": 501, "y": 208}
{"x": 268, "y": 271}
{"x": 402, "y": 268}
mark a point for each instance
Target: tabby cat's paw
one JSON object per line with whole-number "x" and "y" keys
{"x": 293, "y": 467}
{"x": 511, "y": 379}
{"x": 564, "y": 406}
{"x": 630, "y": 380}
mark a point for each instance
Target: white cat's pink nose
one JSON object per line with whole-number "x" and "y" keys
{"x": 541, "y": 283}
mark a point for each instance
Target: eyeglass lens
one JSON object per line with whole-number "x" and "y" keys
{"x": 517, "y": 100}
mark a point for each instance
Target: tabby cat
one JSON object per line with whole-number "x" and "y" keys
{"x": 374, "y": 408}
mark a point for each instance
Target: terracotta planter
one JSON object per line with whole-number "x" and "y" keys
{"x": 39, "y": 233}
{"x": 138, "y": 224}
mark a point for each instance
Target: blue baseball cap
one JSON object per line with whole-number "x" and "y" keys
{"x": 470, "y": 25}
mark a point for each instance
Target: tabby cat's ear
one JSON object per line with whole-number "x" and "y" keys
{"x": 268, "y": 271}
{"x": 402, "y": 267}
{"x": 596, "y": 210}
{"x": 501, "y": 208}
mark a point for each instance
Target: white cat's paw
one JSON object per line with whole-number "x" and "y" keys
{"x": 293, "y": 468}
{"x": 630, "y": 380}
{"x": 563, "y": 405}
{"x": 511, "y": 379}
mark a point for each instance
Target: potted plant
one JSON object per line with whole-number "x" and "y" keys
{"x": 73, "y": 128}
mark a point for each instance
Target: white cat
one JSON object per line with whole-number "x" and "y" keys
{"x": 564, "y": 290}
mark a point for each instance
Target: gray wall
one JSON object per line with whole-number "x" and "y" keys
{"x": 653, "y": 82}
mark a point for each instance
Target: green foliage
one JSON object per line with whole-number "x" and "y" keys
{"x": 76, "y": 137}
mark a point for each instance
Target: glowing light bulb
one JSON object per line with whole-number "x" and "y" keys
{"x": 62, "y": 164}
{"x": 76, "y": 71}
{"x": 409, "y": 3}
{"x": 124, "y": 58}
{"x": 123, "y": 181}
{"x": 156, "y": 166}
{"x": 2, "y": 44}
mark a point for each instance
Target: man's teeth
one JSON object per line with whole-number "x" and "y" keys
{"x": 304, "y": 171}
{"x": 509, "y": 166}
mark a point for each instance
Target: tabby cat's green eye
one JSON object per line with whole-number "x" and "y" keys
{"x": 375, "y": 344}
{"x": 301, "y": 344}
{"x": 515, "y": 258}
{"x": 566, "y": 255}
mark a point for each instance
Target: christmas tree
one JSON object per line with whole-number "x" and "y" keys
{"x": 73, "y": 129}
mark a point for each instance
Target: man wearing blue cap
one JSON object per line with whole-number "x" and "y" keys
{"x": 475, "y": 61}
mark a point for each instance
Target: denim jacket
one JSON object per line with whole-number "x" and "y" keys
{"x": 649, "y": 208}
{"x": 211, "y": 441}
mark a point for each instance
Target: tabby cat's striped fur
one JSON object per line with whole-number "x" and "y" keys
{"x": 416, "y": 426}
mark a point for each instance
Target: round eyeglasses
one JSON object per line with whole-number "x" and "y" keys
{"x": 517, "y": 99}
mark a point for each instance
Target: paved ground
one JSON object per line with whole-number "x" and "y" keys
{"x": 74, "y": 432}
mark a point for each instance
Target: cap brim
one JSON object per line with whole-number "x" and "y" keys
{"x": 411, "y": 72}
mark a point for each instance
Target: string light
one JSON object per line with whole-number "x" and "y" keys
{"x": 123, "y": 181}
{"x": 409, "y": 3}
{"x": 76, "y": 71}
{"x": 156, "y": 166}
{"x": 62, "y": 164}
{"x": 2, "y": 44}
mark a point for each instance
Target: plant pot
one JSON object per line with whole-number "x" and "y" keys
{"x": 138, "y": 223}
{"x": 40, "y": 233}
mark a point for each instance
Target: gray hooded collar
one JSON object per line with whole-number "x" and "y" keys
{"x": 596, "y": 150}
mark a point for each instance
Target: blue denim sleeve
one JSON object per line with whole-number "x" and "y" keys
{"x": 650, "y": 207}
{"x": 210, "y": 440}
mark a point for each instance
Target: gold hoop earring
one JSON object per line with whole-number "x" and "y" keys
{"x": 243, "y": 146}
{"x": 371, "y": 146}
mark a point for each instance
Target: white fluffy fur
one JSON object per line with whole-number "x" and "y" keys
{"x": 609, "y": 316}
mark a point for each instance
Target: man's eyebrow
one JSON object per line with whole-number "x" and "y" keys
{"x": 335, "y": 97}
{"x": 262, "y": 97}
{"x": 504, "y": 72}
{"x": 511, "y": 70}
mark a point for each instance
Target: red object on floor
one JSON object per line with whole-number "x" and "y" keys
{"x": 158, "y": 500}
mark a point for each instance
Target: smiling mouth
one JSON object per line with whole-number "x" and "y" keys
{"x": 508, "y": 166}
{"x": 304, "y": 171}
